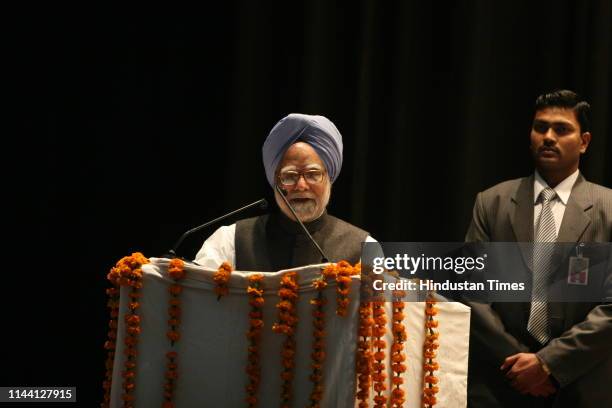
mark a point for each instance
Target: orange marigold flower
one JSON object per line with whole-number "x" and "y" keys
{"x": 132, "y": 319}
{"x": 318, "y": 356}
{"x": 431, "y": 324}
{"x": 344, "y": 280}
{"x": 173, "y": 335}
{"x": 285, "y": 305}
{"x": 254, "y": 291}
{"x": 343, "y": 292}
{"x": 343, "y": 264}
{"x": 431, "y": 379}
{"x": 431, "y": 311}
{"x": 379, "y": 377}
{"x": 319, "y": 284}
{"x": 171, "y": 374}
{"x": 329, "y": 271}
{"x": 380, "y": 399}
{"x": 128, "y": 397}
{"x": 379, "y": 355}
{"x": 112, "y": 291}
{"x": 257, "y": 323}
{"x": 255, "y": 314}
{"x": 380, "y": 386}
{"x": 398, "y": 358}
{"x": 255, "y": 278}
{"x": 136, "y": 273}
{"x": 256, "y": 302}
{"x": 287, "y": 294}
{"x": 396, "y": 347}
{"x": 128, "y": 374}
{"x": 174, "y": 311}
{"x": 130, "y": 341}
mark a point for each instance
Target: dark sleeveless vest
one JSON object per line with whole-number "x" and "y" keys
{"x": 273, "y": 242}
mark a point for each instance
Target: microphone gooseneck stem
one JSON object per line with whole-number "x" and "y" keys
{"x": 261, "y": 203}
{"x": 324, "y": 258}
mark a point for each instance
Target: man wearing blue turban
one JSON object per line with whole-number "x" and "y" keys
{"x": 303, "y": 156}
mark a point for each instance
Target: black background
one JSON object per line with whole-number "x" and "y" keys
{"x": 133, "y": 128}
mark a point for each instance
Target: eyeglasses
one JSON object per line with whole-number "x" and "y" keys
{"x": 292, "y": 177}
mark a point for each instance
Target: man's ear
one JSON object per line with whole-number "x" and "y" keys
{"x": 586, "y": 139}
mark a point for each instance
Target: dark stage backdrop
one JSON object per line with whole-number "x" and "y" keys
{"x": 139, "y": 128}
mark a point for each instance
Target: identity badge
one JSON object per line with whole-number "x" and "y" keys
{"x": 578, "y": 273}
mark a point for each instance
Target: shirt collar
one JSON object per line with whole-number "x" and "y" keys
{"x": 563, "y": 189}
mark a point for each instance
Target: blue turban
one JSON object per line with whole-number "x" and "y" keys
{"x": 318, "y": 131}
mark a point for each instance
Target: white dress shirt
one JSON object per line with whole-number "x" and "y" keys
{"x": 557, "y": 204}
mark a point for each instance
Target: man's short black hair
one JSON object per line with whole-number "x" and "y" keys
{"x": 564, "y": 98}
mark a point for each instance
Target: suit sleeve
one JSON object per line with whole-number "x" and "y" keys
{"x": 478, "y": 229}
{"x": 585, "y": 344}
{"x": 488, "y": 334}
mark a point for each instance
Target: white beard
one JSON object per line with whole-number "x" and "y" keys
{"x": 306, "y": 210}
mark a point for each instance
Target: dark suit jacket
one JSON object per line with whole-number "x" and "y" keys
{"x": 580, "y": 354}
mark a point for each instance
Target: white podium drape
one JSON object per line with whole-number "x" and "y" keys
{"x": 212, "y": 350}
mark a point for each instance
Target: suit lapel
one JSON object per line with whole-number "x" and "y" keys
{"x": 521, "y": 217}
{"x": 575, "y": 221}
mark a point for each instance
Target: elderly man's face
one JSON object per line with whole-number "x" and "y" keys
{"x": 308, "y": 196}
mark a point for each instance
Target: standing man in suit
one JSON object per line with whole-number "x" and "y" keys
{"x": 534, "y": 355}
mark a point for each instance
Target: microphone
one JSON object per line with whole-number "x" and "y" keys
{"x": 283, "y": 193}
{"x": 263, "y": 204}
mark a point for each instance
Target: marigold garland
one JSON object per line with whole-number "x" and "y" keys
{"x": 344, "y": 271}
{"x": 430, "y": 389}
{"x": 318, "y": 341}
{"x": 364, "y": 353}
{"x": 256, "y": 323}
{"x": 127, "y": 272}
{"x": 379, "y": 376}
{"x": 221, "y": 278}
{"x": 398, "y": 356}
{"x": 109, "y": 345}
{"x": 287, "y": 321}
{"x": 176, "y": 270}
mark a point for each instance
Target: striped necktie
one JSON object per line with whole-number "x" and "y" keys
{"x": 543, "y": 249}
